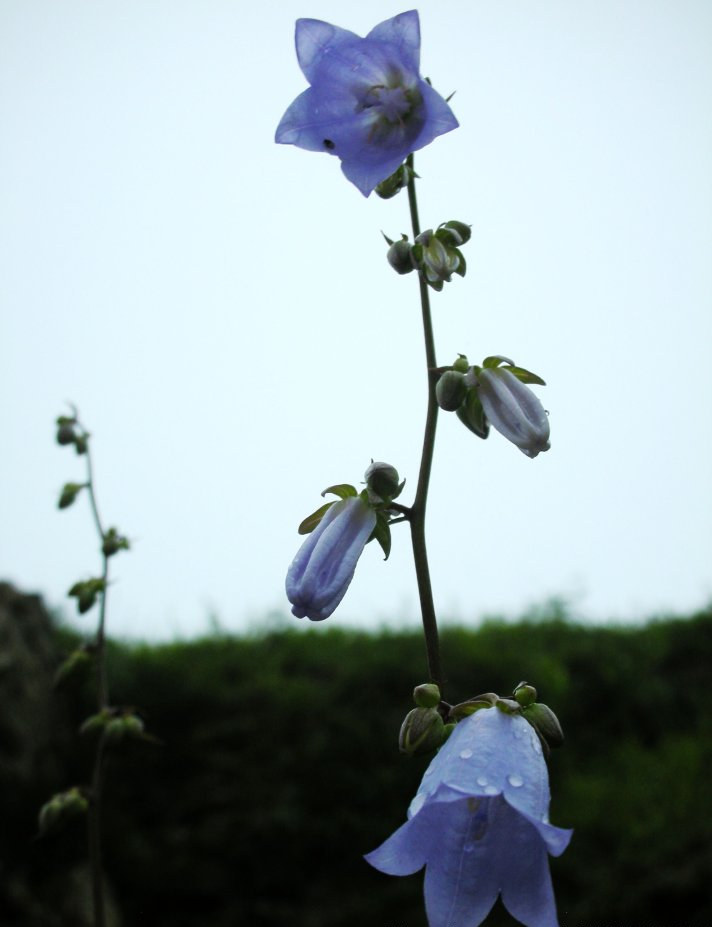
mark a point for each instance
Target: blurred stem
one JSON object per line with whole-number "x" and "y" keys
{"x": 417, "y": 510}
{"x": 102, "y": 700}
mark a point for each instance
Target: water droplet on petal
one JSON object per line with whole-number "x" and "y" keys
{"x": 469, "y": 847}
{"x": 515, "y": 781}
{"x": 536, "y": 744}
{"x": 482, "y": 780}
{"x": 491, "y": 790}
{"x": 465, "y": 754}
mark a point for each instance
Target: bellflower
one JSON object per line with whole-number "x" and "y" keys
{"x": 479, "y": 824}
{"x": 367, "y": 103}
{"x": 513, "y": 409}
{"x": 325, "y": 564}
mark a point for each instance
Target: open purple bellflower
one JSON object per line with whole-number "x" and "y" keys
{"x": 325, "y": 564}
{"x": 479, "y": 824}
{"x": 367, "y": 103}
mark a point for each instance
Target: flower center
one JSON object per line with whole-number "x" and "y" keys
{"x": 393, "y": 104}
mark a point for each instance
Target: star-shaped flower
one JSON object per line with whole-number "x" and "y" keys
{"x": 479, "y": 824}
{"x": 367, "y": 103}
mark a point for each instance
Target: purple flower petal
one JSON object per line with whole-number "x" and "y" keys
{"x": 324, "y": 566}
{"x": 479, "y": 824}
{"x": 367, "y": 103}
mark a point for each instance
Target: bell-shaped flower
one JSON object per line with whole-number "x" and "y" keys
{"x": 325, "y": 564}
{"x": 479, "y": 824}
{"x": 367, "y": 103}
{"x": 513, "y": 409}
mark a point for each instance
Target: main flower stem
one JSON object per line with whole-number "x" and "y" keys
{"x": 417, "y": 511}
{"x": 102, "y": 701}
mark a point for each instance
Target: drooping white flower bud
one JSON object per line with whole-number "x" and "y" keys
{"x": 513, "y": 409}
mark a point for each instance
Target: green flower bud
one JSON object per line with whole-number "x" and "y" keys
{"x": 427, "y": 695}
{"x": 124, "y": 726}
{"x": 65, "y": 432}
{"x": 60, "y": 808}
{"x": 421, "y": 732}
{"x": 462, "y": 365}
{"x": 382, "y": 480}
{"x": 545, "y": 723}
{"x": 113, "y": 542}
{"x": 450, "y": 390}
{"x": 395, "y": 183}
{"x": 400, "y": 257}
{"x": 75, "y": 664}
{"x": 439, "y": 261}
{"x": 525, "y": 694}
{"x": 454, "y": 233}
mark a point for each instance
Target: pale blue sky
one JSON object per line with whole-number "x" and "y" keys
{"x": 220, "y": 309}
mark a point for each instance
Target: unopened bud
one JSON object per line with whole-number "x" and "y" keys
{"x": 427, "y": 695}
{"x": 421, "y": 732}
{"x": 525, "y": 694}
{"x": 513, "y": 409}
{"x": 395, "y": 183}
{"x": 450, "y": 390}
{"x": 545, "y": 723}
{"x": 399, "y": 256}
{"x": 454, "y": 233}
{"x": 382, "y": 480}
{"x": 60, "y": 808}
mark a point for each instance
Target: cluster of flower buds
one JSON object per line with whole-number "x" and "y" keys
{"x": 69, "y": 431}
{"x": 522, "y": 702}
{"x": 325, "y": 564}
{"x": 435, "y": 254}
{"x": 497, "y": 395}
{"x": 115, "y": 724}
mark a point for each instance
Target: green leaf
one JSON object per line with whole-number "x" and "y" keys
{"x": 69, "y": 493}
{"x": 77, "y": 662}
{"x": 382, "y": 534}
{"x": 472, "y": 415}
{"x": 311, "y": 521}
{"x": 526, "y": 376}
{"x": 342, "y": 490}
{"x": 494, "y": 360}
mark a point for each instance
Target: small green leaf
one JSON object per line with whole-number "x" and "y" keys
{"x": 75, "y": 664}
{"x": 494, "y": 360}
{"x": 69, "y": 493}
{"x": 311, "y": 521}
{"x": 342, "y": 490}
{"x": 526, "y": 376}
{"x": 382, "y": 534}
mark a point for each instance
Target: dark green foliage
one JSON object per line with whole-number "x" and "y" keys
{"x": 279, "y": 768}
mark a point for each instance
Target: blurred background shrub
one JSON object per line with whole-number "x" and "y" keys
{"x": 278, "y": 768}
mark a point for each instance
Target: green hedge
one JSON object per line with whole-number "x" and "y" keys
{"x": 278, "y": 769}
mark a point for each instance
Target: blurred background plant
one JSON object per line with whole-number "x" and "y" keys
{"x": 279, "y": 757}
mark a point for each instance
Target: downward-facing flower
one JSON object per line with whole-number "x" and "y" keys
{"x": 479, "y": 824}
{"x": 325, "y": 564}
{"x": 367, "y": 103}
{"x": 513, "y": 409}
